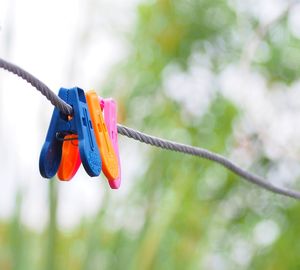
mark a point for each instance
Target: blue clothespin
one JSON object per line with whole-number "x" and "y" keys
{"x": 60, "y": 126}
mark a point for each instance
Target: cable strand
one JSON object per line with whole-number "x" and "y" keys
{"x": 151, "y": 140}
{"x": 203, "y": 153}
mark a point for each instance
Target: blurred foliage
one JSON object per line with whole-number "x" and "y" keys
{"x": 283, "y": 60}
{"x": 182, "y": 213}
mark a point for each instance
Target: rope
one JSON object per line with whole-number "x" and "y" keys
{"x": 203, "y": 153}
{"x": 151, "y": 140}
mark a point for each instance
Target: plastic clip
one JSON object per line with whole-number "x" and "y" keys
{"x": 109, "y": 107}
{"x": 78, "y": 124}
{"x": 107, "y": 152}
{"x": 110, "y": 164}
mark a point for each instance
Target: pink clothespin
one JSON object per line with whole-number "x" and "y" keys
{"x": 109, "y": 108}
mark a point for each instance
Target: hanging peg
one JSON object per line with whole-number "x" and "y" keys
{"x": 109, "y": 108}
{"x": 108, "y": 155}
{"x": 110, "y": 167}
{"x": 63, "y": 125}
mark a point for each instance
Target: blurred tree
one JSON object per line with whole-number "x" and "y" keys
{"x": 189, "y": 220}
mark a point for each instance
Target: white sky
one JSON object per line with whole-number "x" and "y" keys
{"x": 44, "y": 37}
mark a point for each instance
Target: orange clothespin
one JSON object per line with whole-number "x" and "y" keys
{"x": 70, "y": 156}
{"x": 110, "y": 164}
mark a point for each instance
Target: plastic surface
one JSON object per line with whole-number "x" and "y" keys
{"x": 70, "y": 161}
{"x": 80, "y": 124}
{"x": 70, "y": 158}
{"x": 110, "y": 117}
{"x": 110, "y": 164}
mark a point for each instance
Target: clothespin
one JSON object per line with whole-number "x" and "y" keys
{"x": 109, "y": 108}
{"x": 109, "y": 159}
{"x": 62, "y": 127}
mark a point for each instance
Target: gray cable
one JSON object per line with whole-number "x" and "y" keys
{"x": 203, "y": 153}
{"x": 154, "y": 141}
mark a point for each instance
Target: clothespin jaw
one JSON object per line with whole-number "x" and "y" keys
{"x": 70, "y": 161}
{"x": 51, "y": 152}
{"x": 60, "y": 126}
{"x": 110, "y": 117}
{"x": 107, "y": 152}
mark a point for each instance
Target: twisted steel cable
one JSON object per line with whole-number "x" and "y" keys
{"x": 151, "y": 140}
{"x": 206, "y": 154}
